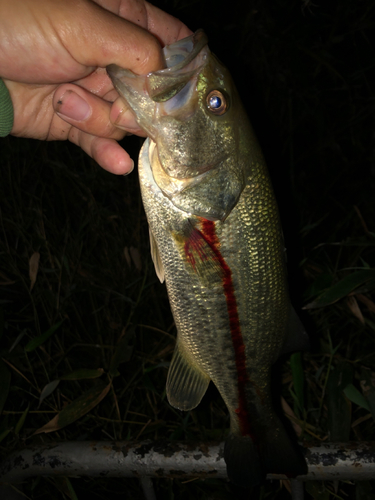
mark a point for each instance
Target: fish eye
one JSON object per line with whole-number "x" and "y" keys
{"x": 216, "y": 102}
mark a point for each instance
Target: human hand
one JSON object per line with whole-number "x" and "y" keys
{"x": 45, "y": 43}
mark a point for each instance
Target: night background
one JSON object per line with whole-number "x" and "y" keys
{"x": 305, "y": 73}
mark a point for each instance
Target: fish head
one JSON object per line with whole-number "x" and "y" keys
{"x": 192, "y": 114}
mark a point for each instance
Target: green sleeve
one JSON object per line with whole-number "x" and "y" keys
{"x": 6, "y": 111}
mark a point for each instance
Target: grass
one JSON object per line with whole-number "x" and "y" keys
{"x": 96, "y": 308}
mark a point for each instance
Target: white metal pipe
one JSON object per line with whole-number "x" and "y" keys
{"x": 329, "y": 461}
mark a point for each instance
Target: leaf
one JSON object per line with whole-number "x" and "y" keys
{"x": 368, "y": 302}
{"x": 37, "y": 341}
{"x": 77, "y": 408}
{"x": 21, "y": 421}
{"x": 5, "y": 384}
{"x": 339, "y": 408}
{"x": 352, "y": 393}
{"x": 136, "y": 258}
{"x": 4, "y": 280}
{"x": 368, "y": 388}
{"x": 292, "y": 417}
{"x": 4, "y": 434}
{"x": 65, "y": 487}
{"x": 48, "y": 390}
{"x": 354, "y": 307}
{"x": 321, "y": 283}
{"x": 127, "y": 256}
{"x": 19, "y": 337}
{"x": 163, "y": 364}
{"x": 83, "y": 374}
{"x": 298, "y": 378}
{"x": 33, "y": 268}
{"x": 1, "y": 321}
{"x": 76, "y": 375}
{"x": 148, "y": 384}
{"x": 317, "y": 490}
{"x": 70, "y": 488}
{"x": 123, "y": 352}
{"x": 364, "y": 491}
{"x": 341, "y": 289}
{"x": 133, "y": 255}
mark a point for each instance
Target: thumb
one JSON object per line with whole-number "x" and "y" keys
{"x": 98, "y": 37}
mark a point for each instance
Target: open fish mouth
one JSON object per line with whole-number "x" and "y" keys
{"x": 182, "y": 61}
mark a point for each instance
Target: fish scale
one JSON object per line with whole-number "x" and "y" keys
{"x": 217, "y": 242}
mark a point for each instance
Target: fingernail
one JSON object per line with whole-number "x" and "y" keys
{"x": 129, "y": 171}
{"x": 126, "y": 120}
{"x": 71, "y": 105}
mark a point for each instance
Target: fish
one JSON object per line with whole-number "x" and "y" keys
{"x": 216, "y": 241}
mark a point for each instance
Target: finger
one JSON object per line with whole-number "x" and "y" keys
{"x": 133, "y": 10}
{"x": 85, "y": 111}
{"x": 106, "y": 152}
{"x": 165, "y": 27}
{"x": 121, "y": 116}
{"x": 100, "y": 38}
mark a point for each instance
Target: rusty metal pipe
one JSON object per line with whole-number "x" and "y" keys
{"x": 329, "y": 461}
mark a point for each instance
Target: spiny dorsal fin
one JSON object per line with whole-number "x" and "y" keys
{"x": 186, "y": 383}
{"x": 155, "y": 255}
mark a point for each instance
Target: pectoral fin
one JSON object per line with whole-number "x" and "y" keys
{"x": 186, "y": 382}
{"x": 155, "y": 255}
{"x": 200, "y": 256}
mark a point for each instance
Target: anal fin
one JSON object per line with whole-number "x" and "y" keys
{"x": 186, "y": 382}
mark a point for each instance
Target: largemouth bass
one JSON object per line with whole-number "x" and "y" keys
{"x": 216, "y": 240}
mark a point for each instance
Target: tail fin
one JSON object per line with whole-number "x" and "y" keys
{"x": 244, "y": 467}
{"x": 249, "y": 462}
{"x": 282, "y": 456}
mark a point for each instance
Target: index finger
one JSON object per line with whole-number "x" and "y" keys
{"x": 166, "y": 28}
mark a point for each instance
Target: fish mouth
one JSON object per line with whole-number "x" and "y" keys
{"x": 182, "y": 63}
{"x": 184, "y": 59}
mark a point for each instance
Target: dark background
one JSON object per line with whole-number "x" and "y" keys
{"x": 305, "y": 73}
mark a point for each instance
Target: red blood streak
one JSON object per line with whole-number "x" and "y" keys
{"x": 194, "y": 246}
{"x": 209, "y": 234}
